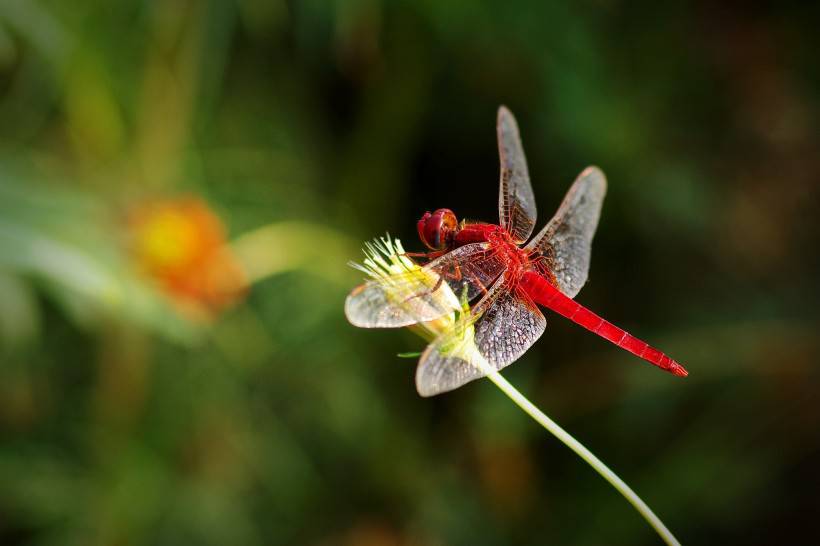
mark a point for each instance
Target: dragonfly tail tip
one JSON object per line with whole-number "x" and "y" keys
{"x": 677, "y": 369}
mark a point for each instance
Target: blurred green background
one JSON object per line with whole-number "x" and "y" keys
{"x": 135, "y": 409}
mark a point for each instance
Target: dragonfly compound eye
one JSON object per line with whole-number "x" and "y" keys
{"x": 436, "y": 230}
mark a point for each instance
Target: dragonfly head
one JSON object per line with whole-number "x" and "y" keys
{"x": 437, "y": 230}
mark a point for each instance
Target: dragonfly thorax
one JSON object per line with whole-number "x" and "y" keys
{"x": 515, "y": 258}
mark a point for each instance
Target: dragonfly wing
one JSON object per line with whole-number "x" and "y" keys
{"x": 508, "y": 327}
{"x": 503, "y": 325}
{"x": 472, "y": 268}
{"x": 402, "y": 302}
{"x": 516, "y": 202}
{"x": 426, "y": 293}
{"x": 566, "y": 240}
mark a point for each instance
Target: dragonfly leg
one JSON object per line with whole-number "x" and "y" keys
{"x": 429, "y": 256}
{"x": 481, "y": 287}
{"x": 456, "y": 276}
{"x": 426, "y": 292}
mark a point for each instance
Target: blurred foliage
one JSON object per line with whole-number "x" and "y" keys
{"x": 307, "y": 127}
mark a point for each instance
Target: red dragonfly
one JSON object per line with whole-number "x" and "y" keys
{"x": 490, "y": 263}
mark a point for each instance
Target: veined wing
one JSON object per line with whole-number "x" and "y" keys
{"x": 469, "y": 270}
{"x": 516, "y": 202}
{"x": 566, "y": 240}
{"x": 502, "y": 326}
{"x": 420, "y": 294}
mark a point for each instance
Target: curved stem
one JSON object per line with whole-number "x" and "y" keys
{"x": 586, "y": 455}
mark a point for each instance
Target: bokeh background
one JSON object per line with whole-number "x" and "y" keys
{"x": 182, "y": 184}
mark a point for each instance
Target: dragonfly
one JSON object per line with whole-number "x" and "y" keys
{"x": 500, "y": 276}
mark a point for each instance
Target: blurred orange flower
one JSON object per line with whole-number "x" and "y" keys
{"x": 181, "y": 244}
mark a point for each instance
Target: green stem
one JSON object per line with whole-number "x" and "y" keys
{"x": 586, "y": 455}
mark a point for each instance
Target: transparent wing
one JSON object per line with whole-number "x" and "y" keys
{"x": 501, "y": 328}
{"x": 516, "y": 203}
{"x": 472, "y": 268}
{"x": 566, "y": 241}
{"x": 424, "y": 293}
{"x": 404, "y": 301}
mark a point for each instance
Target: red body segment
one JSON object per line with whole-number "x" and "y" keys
{"x": 474, "y": 233}
{"x": 544, "y": 293}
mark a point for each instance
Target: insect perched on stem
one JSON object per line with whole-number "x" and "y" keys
{"x": 491, "y": 265}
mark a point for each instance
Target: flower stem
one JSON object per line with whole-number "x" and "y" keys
{"x": 586, "y": 455}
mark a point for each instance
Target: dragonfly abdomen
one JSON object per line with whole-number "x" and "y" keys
{"x": 544, "y": 293}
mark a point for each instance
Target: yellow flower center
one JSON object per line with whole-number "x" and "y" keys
{"x": 166, "y": 239}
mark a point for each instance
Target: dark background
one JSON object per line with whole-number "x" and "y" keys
{"x": 309, "y": 127}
